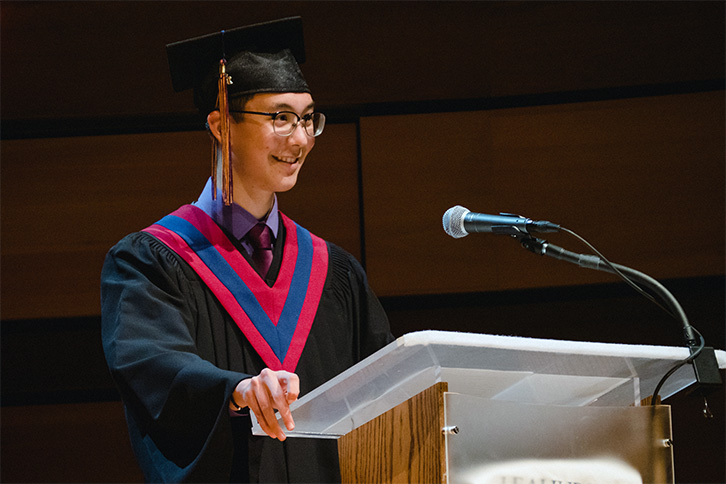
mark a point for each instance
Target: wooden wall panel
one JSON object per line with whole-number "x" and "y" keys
{"x": 108, "y": 58}
{"x": 86, "y": 442}
{"x": 642, "y": 179}
{"x": 325, "y": 199}
{"x": 66, "y": 201}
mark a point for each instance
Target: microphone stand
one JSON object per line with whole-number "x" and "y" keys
{"x": 701, "y": 357}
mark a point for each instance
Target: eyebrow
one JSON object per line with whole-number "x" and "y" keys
{"x": 287, "y": 107}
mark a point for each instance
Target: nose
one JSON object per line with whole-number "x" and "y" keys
{"x": 299, "y": 136}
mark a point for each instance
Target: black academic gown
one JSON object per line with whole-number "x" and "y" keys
{"x": 176, "y": 357}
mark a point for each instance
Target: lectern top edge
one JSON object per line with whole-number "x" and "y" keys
{"x": 503, "y": 368}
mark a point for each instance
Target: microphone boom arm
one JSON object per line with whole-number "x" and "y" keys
{"x": 542, "y": 247}
{"x": 701, "y": 357}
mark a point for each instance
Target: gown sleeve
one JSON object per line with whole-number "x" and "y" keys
{"x": 371, "y": 326}
{"x": 175, "y": 401}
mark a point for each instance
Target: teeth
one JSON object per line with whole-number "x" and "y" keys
{"x": 287, "y": 159}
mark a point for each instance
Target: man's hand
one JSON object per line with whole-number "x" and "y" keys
{"x": 267, "y": 392}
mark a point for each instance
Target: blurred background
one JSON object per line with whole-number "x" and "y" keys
{"x": 604, "y": 117}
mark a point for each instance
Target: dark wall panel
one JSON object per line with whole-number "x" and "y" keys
{"x": 326, "y": 199}
{"x": 639, "y": 178}
{"x": 66, "y": 201}
{"x": 67, "y": 443}
{"x": 69, "y": 59}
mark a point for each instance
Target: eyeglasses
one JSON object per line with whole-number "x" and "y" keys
{"x": 285, "y": 122}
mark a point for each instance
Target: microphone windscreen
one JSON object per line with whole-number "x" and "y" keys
{"x": 454, "y": 222}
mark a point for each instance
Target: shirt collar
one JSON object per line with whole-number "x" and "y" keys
{"x": 235, "y": 219}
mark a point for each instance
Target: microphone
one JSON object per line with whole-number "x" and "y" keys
{"x": 460, "y": 222}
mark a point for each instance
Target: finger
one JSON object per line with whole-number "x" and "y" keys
{"x": 291, "y": 385}
{"x": 267, "y": 421}
{"x": 254, "y": 406}
{"x": 284, "y": 409}
{"x": 275, "y": 382}
{"x": 264, "y": 401}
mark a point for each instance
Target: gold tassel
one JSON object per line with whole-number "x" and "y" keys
{"x": 222, "y": 100}
{"x": 215, "y": 150}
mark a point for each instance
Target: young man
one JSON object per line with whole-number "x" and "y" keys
{"x": 227, "y": 306}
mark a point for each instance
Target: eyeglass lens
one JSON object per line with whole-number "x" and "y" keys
{"x": 285, "y": 122}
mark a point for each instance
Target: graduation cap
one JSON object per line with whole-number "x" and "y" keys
{"x": 259, "y": 58}
{"x": 263, "y": 57}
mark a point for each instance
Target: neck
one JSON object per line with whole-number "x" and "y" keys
{"x": 259, "y": 205}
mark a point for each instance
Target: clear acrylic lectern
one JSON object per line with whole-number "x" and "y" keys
{"x": 505, "y": 410}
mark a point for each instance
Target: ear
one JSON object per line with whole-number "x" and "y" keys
{"x": 214, "y": 121}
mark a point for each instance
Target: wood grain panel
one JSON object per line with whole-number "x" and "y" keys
{"x": 642, "y": 179}
{"x": 67, "y": 443}
{"x": 405, "y": 444}
{"x": 108, "y": 58}
{"x": 66, "y": 201}
{"x": 325, "y": 199}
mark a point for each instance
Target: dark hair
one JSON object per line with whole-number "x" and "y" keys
{"x": 238, "y": 103}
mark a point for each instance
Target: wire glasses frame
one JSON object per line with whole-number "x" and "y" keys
{"x": 285, "y": 122}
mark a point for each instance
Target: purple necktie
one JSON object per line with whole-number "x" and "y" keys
{"x": 260, "y": 236}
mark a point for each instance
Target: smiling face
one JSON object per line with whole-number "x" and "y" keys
{"x": 265, "y": 163}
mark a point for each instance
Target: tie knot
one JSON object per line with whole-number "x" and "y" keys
{"x": 260, "y": 236}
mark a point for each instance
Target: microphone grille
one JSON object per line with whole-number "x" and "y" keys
{"x": 454, "y": 222}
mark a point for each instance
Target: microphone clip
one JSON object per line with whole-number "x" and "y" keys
{"x": 511, "y": 230}
{"x": 526, "y": 240}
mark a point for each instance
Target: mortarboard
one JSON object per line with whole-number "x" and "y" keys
{"x": 257, "y": 58}
{"x": 263, "y": 57}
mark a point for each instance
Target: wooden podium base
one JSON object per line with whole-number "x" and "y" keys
{"x": 405, "y": 444}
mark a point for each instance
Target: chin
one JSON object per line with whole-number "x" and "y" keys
{"x": 287, "y": 185}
